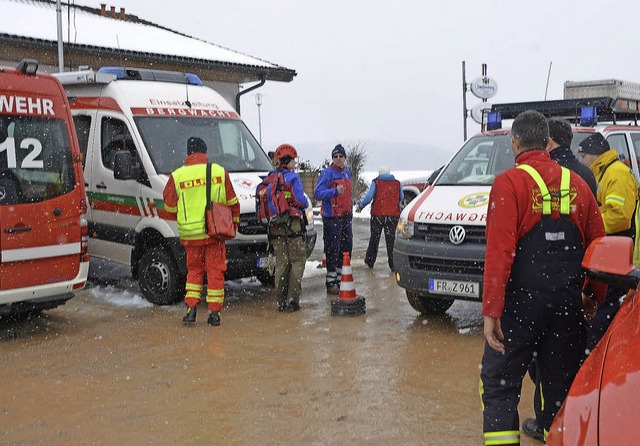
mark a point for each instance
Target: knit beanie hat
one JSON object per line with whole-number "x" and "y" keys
{"x": 338, "y": 150}
{"x": 195, "y": 144}
{"x": 594, "y": 145}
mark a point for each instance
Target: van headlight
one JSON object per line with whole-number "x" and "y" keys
{"x": 309, "y": 214}
{"x": 405, "y": 228}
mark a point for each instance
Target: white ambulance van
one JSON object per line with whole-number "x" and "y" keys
{"x": 43, "y": 229}
{"x": 440, "y": 242}
{"x": 133, "y": 125}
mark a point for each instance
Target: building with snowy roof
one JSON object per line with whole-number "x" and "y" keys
{"x": 109, "y": 36}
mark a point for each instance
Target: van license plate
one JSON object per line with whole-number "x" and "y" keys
{"x": 454, "y": 288}
{"x": 262, "y": 262}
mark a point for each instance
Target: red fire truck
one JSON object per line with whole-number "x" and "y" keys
{"x": 43, "y": 230}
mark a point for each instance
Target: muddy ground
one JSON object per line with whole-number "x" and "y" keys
{"x": 100, "y": 372}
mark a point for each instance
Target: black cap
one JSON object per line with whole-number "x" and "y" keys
{"x": 594, "y": 145}
{"x": 195, "y": 144}
{"x": 560, "y": 131}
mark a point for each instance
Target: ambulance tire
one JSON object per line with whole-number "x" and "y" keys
{"x": 159, "y": 276}
{"x": 266, "y": 279}
{"x": 428, "y": 305}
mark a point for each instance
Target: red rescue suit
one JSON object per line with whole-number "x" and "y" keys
{"x": 541, "y": 218}
{"x": 204, "y": 255}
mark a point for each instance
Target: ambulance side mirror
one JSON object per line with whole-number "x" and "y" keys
{"x": 125, "y": 166}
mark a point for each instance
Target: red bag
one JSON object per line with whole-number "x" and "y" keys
{"x": 218, "y": 216}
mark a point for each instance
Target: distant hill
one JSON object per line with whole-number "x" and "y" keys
{"x": 394, "y": 155}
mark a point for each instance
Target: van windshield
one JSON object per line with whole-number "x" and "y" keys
{"x": 36, "y": 162}
{"x": 229, "y": 143}
{"x": 479, "y": 161}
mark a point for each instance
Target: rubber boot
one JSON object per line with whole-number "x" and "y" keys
{"x": 190, "y": 317}
{"x": 214, "y": 318}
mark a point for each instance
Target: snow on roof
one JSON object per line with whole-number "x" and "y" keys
{"x": 37, "y": 20}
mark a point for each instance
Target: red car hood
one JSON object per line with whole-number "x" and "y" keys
{"x": 602, "y": 406}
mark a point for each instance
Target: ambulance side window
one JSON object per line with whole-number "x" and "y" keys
{"x": 635, "y": 139}
{"x": 114, "y": 136}
{"x": 83, "y": 125}
{"x": 619, "y": 143}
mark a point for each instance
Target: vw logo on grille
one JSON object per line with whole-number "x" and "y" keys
{"x": 457, "y": 235}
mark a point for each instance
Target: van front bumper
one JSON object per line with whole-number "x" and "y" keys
{"x": 416, "y": 261}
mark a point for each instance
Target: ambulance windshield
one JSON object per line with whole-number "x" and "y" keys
{"x": 229, "y": 142}
{"x": 35, "y": 159}
{"x": 479, "y": 161}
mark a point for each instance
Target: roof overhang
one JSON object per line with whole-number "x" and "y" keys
{"x": 46, "y": 52}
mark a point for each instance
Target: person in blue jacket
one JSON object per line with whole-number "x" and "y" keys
{"x": 386, "y": 194}
{"x": 334, "y": 188}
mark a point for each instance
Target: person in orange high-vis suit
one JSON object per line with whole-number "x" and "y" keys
{"x": 185, "y": 196}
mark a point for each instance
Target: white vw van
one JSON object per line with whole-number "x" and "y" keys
{"x": 440, "y": 242}
{"x": 132, "y": 126}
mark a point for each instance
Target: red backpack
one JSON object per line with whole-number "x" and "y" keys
{"x": 273, "y": 197}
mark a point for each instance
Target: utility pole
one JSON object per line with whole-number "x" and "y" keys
{"x": 60, "y": 47}
{"x": 464, "y": 101}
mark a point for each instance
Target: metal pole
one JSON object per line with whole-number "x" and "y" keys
{"x": 464, "y": 101}
{"x": 260, "y": 125}
{"x": 259, "y": 104}
{"x": 60, "y": 47}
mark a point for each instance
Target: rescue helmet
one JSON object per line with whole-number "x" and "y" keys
{"x": 286, "y": 150}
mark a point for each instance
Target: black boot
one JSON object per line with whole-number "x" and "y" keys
{"x": 190, "y": 317}
{"x": 214, "y": 318}
{"x": 293, "y": 307}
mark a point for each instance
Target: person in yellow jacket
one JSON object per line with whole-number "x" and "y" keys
{"x": 185, "y": 196}
{"x": 617, "y": 196}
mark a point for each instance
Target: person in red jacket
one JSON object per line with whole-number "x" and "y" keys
{"x": 541, "y": 218}
{"x": 185, "y": 195}
{"x": 386, "y": 194}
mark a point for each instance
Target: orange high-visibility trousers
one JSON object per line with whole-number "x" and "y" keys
{"x": 209, "y": 259}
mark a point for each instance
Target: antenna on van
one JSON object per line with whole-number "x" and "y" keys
{"x": 546, "y": 88}
{"x": 187, "y": 102}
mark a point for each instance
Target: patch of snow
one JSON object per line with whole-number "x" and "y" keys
{"x": 119, "y": 297}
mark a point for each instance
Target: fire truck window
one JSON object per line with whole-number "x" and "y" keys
{"x": 114, "y": 136}
{"x": 618, "y": 142}
{"x": 35, "y": 159}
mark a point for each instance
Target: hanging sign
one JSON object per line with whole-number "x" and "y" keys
{"x": 483, "y": 87}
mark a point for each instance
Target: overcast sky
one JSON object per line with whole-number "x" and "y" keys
{"x": 392, "y": 71}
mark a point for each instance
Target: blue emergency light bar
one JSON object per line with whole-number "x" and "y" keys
{"x": 494, "y": 121}
{"x": 588, "y": 116}
{"x": 152, "y": 75}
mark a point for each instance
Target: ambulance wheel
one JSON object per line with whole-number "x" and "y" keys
{"x": 428, "y": 305}
{"x": 160, "y": 279}
{"x": 266, "y": 279}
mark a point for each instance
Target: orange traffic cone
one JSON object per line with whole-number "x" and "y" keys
{"x": 324, "y": 261}
{"x": 348, "y": 303}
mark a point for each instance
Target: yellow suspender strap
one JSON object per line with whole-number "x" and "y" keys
{"x": 565, "y": 199}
